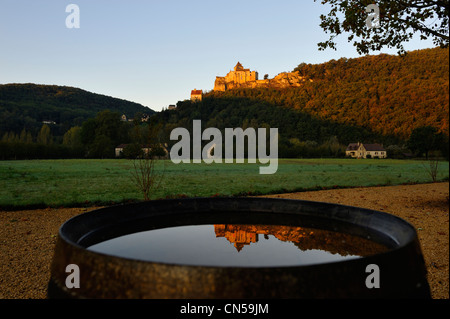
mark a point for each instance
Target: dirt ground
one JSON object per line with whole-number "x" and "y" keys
{"x": 425, "y": 206}
{"x": 27, "y": 238}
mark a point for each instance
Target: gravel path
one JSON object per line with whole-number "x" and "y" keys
{"x": 27, "y": 238}
{"x": 425, "y": 206}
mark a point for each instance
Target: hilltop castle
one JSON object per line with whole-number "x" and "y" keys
{"x": 238, "y": 76}
{"x": 244, "y": 78}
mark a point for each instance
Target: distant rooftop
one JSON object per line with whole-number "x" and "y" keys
{"x": 368, "y": 147}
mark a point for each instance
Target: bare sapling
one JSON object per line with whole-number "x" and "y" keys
{"x": 146, "y": 175}
{"x": 432, "y": 166}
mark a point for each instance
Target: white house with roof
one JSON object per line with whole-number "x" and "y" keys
{"x": 360, "y": 150}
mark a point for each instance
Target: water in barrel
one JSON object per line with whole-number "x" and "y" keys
{"x": 231, "y": 245}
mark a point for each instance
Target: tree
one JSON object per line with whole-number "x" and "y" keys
{"x": 133, "y": 150}
{"x": 425, "y": 139}
{"x": 25, "y": 137}
{"x": 398, "y": 21}
{"x": 45, "y": 136}
{"x": 72, "y": 137}
{"x": 102, "y": 134}
{"x": 10, "y": 137}
{"x": 145, "y": 174}
{"x": 88, "y": 131}
{"x": 110, "y": 124}
{"x": 101, "y": 147}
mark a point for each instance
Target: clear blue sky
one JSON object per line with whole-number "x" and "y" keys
{"x": 155, "y": 52}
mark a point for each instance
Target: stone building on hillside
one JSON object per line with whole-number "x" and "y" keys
{"x": 244, "y": 78}
{"x": 196, "y": 95}
{"x": 238, "y": 75}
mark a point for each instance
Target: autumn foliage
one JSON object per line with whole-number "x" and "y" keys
{"x": 388, "y": 94}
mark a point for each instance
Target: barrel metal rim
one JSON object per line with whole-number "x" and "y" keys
{"x": 401, "y": 233}
{"x": 112, "y": 276}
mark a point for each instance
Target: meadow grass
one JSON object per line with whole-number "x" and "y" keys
{"x": 101, "y": 182}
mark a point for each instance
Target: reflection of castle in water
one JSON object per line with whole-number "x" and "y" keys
{"x": 241, "y": 235}
{"x": 303, "y": 238}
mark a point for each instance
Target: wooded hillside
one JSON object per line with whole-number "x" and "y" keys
{"x": 26, "y": 106}
{"x": 370, "y": 99}
{"x": 387, "y": 94}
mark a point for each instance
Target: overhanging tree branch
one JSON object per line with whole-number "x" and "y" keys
{"x": 400, "y": 20}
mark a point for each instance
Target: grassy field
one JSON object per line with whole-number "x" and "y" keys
{"x": 89, "y": 182}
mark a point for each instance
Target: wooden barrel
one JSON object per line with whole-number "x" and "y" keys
{"x": 79, "y": 272}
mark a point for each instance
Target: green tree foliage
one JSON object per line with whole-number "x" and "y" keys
{"x": 25, "y": 137}
{"x": 103, "y": 133}
{"x": 87, "y": 133}
{"x": 372, "y": 99}
{"x": 390, "y": 95}
{"x": 101, "y": 147}
{"x": 72, "y": 140}
{"x": 425, "y": 139}
{"x": 72, "y": 137}
{"x": 10, "y": 137}
{"x": 398, "y": 22}
{"x": 223, "y": 110}
{"x": 45, "y": 135}
{"x": 28, "y": 105}
{"x": 132, "y": 151}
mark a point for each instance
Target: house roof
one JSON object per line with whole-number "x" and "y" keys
{"x": 368, "y": 147}
{"x": 373, "y": 147}
{"x": 196, "y": 92}
{"x": 352, "y": 146}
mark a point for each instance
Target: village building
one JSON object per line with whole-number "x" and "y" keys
{"x": 360, "y": 150}
{"x": 145, "y": 149}
{"x": 196, "y": 95}
{"x": 144, "y": 118}
{"x": 49, "y": 122}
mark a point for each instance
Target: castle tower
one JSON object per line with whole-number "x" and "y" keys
{"x": 239, "y": 75}
{"x": 238, "y": 67}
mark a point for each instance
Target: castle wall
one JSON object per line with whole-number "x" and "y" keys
{"x": 244, "y": 78}
{"x": 220, "y": 84}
